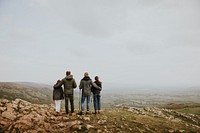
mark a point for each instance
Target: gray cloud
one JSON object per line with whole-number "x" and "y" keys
{"x": 146, "y": 42}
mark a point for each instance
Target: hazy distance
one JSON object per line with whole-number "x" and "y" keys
{"x": 133, "y": 43}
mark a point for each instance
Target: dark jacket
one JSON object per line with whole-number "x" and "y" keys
{"x": 97, "y": 90}
{"x": 69, "y": 84}
{"x": 57, "y": 92}
{"x": 86, "y": 84}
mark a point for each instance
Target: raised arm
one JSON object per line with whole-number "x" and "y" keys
{"x": 80, "y": 86}
{"x": 95, "y": 85}
{"x": 74, "y": 84}
{"x": 57, "y": 85}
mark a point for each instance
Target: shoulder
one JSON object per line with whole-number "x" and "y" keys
{"x": 98, "y": 82}
{"x": 63, "y": 80}
{"x": 54, "y": 86}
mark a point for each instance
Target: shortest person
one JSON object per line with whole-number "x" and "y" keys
{"x": 96, "y": 95}
{"x": 58, "y": 95}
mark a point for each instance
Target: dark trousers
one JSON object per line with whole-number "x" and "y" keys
{"x": 97, "y": 102}
{"x": 69, "y": 97}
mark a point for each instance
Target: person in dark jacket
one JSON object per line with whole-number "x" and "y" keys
{"x": 86, "y": 84}
{"x": 96, "y": 95}
{"x": 57, "y": 95}
{"x": 69, "y": 86}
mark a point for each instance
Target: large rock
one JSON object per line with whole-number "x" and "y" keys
{"x": 9, "y": 115}
{"x": 25, "y": 122}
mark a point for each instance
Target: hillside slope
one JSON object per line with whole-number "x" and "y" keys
{"x": 28, "y": 92}
{"x": 22, "y": 116}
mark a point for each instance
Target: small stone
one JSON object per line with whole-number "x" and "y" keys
{"x": 181, "y": 131}
{"x": 2, "y": 109}
{"x": 99, "y": 131}
{"x": 77, "y": 127}
{"x": 123, "y": 119}
{"x": 4, "y": 101}
{"x": 171, "y": 131}
{"x": 89, "y": 126}
{"x": 61, "y": 125}
{"x": 86, "y": 118}
{"x": 101, "y": 121}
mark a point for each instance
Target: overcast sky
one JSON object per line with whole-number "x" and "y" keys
{"x": 137, "y": 42}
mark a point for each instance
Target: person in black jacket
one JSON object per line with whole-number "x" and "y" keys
{"x": 96, "y": 95}
{"x": 58, "y": 96}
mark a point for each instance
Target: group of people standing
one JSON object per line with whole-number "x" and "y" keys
{"x": 86, "y": 85}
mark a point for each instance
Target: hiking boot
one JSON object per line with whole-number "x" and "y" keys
{"x": 88, "y": 113}
{"x": 66, "y": 114}
{"x": 56, "y": 113}
{"x": 80, "y": 113}
{"x": 95, "y": 112}
{"x": 72, "y": 114}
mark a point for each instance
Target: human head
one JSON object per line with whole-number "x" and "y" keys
{"x": 58, "y": 81}
{"x": 96, "y": 78}
{"x": 68, "y": 73}
{"x": 86, "y": 74}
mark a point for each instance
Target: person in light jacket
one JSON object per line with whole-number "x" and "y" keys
{"x": 86, "y": 84}
{"x": 57, "y": 96}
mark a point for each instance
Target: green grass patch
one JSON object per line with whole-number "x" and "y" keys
{"x": 190, "y": 110}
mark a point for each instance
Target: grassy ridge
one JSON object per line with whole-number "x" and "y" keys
{"x": 12, "y": 91}
{"x": 190, "y": 110}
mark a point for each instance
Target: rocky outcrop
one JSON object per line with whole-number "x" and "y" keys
{"x": 22, "y": 116}
{"x": 167, "y": 114}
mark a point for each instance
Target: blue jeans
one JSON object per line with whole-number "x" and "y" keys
{"x": 97, "y": 102}
{"x": 82, "y": 103}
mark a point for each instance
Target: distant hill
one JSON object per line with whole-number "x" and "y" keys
{"x": 31, "y": 92}
{"x": 36, "y": 85}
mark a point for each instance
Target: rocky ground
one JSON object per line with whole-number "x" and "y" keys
{"x": 22, "y": 116}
